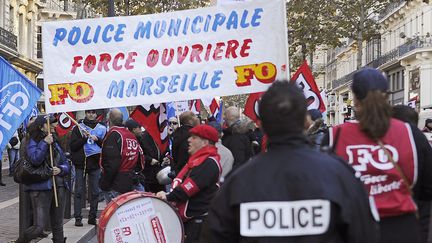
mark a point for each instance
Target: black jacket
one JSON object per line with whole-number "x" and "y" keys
{"x": 180, "y": 147}
{"x": 111, "y": 178}
{"x": 290, "y": 173}
{"x": 205, "y": 176}
{"x": 77, "y": 142}
{"x": 237, "y": 140}
{"x": 151, "y": 151}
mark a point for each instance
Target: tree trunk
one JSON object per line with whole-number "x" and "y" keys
{"x": 111, "y": 8}
{"x": 127, "y": 5}
{"x": 80, "y": 9}
{"x": 360, "y": 36}
{"x": 303, "y": 51}
{"x": 311, "y": 61}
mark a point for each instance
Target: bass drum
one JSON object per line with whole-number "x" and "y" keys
{"x": 139, "y": 217}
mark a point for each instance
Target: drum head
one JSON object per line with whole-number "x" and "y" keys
{"x": 138, "y": 217}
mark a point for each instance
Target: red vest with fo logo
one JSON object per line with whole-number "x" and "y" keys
{"x": 375, "y": 170}
{"x": 131, "y": 150}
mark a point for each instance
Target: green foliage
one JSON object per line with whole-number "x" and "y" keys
{"x": 325, "y": 22}
{"x": 358, "y": 20}
{"x": 358, "y": 15}
{"x": 235, "y": 100}
{"x": 310, "y": 25}
{"x": 139, "y": 7}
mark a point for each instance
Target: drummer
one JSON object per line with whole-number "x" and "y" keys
{"x": 196, "y": 184}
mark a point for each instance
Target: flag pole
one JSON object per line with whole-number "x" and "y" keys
{"x": 52, "y": 165}
{"x": 82, "y": 131}
{"x": 76, "y": 123}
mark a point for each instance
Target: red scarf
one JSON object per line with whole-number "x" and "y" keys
{"x": 195, "y": 160}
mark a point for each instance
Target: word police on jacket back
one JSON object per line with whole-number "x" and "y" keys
{"x": 292, "y": 218}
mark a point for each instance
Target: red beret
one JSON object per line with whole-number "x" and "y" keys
{"x": 206, "y": 132}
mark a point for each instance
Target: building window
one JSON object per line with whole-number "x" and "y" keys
{"x": 373, "y": 49}
{"x": 40, "y": 83}
{"x": 39, "y": 42}
{"x": 396, "y": 81}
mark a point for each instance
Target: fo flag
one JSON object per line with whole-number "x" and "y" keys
{"x": 154, "y": 119}
{"x": 251, "y": 106}
{"x": 18, "y": 96}
{"x": 305, "y": 80}
{"x": 65, "y": 124}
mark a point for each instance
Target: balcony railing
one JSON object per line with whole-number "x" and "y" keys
{"x": 395, "y": 54}
{"x": 418, "y": 42}
{"x": 345, "y": 79}
{"x": 66, "y": 6}
{"x": 390, "y": 8}
{"x": 8, "y": 39}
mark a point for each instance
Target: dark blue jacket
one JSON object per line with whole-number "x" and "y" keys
{"x": 270, "y": 184}
{"x": 38, "y": 153}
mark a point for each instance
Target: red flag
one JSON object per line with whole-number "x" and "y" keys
{"x": 101, "y": 115}
{"x": 195, "y": 106}
{"x": 251, "y": 106}
{"x": 214, "y": 107}
{"x": 64, "y": 123}
{"x": 154, "y": 119}
{"x": 305, "y": 80}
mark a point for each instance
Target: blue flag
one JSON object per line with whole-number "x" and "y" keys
{"x": 171, "y": 112}
{"x": 18, "y": 96}
{"x": 125, "y": 112}
{"x": 220, "y": 112}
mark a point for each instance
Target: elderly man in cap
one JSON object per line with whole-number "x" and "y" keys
{"x": 86, "y": 145}
{"x": 196, "y": 184}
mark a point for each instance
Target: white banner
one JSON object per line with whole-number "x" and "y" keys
{"x": 124, "y": 61}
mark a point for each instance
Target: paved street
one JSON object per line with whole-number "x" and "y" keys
{"x": 9, "y": 209}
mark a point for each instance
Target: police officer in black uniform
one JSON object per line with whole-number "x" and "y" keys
{"x": 291, "y": 193}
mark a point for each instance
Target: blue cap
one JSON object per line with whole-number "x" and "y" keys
{"x": 42, "y": 119}
{"x": 368, "y": 79}
{"x": 315, "y": 114}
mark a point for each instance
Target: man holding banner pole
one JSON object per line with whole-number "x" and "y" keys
{"x": 85, "y": 144}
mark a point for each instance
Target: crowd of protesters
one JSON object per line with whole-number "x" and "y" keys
{"x": 367, "y": 180}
